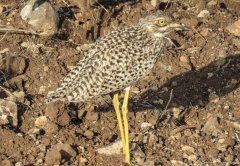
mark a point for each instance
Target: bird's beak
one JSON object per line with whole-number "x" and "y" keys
{"x": 179, "y": 27}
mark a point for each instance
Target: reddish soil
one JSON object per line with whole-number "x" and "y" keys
{"x": 191, "y": 98}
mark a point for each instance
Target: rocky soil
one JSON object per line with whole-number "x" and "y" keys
{"x": 186, "y": 112}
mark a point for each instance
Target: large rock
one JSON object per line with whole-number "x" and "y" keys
{"x": 58, "y": 152}
{"x": 44, "y": 18}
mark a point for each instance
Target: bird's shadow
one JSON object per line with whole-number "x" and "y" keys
{"x": 193, "y": 88}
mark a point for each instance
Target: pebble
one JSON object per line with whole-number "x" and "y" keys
{"x": 188, "y": 133}
{"x": 113, "y": 149}
{"x": 45, "y": 68}
{"x": 212, "y": 3}
{"x": 53, "y": 157}
{"x": 213, "y": 97}
{"x": 212, "y": 125}
{"x": 1, "y": 8}
{"x": 221, "y": 146}
{"x": 53, "y": 110}
{"x": 176, "y": 112}
{"x": 213, "y": 153}
{"x": 14, "y": 65}
{"x": 177, "y": 163}
{"x": 39, "y": 162}
{"x": 188, "y": 148}
{"x": 92, "y": 116}
{"x": 229, "y": 158}
{"x": 19, "y": 164}
{"x": 8, "y": 113}
{"x": 220, "y": 62}
{"x": 58, "y": 152}
{"x": 236, "y": 42}
{"x": 42, "y": 89}
{"x": 233, "y": 124}
{"x": 155, "y": 3}
{"x": 184, "y": 59}
{"x": 138, "y": 155}
{"x": 82, "y": 160}
{"x": 204, "y": 32}
{"x": 146, "y": 126}
{"x": 165, "y": 89}
{"x": 159, "y": 101}
{"x": 89, "y": 134}
{"x": 6, "y": 163}
{"x": 210, "y": 75}
{"x": 174, "y": 83}
{"x": 203, "y": 14}
{"x": 152, "y": 139}
{"x": 81, "y": 113}
{"x": 190, "y": 22}
{"x": 5, "y": 49}
{"x": 44, "y": 123}
{"x": 193, "y": 50}
{"x": 82, "y": 5}
{"x": 154, "y": 88}
{"x": 234, "y": 28}
{"x": 222, "y": 53}
{"x": 19, "y": 96}
{"x": 135, "y": 90}
{"x": 192, "y": 157}
{"x": 41, "y": 121}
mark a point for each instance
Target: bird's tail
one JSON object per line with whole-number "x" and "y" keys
{"x": 59, "y": 94}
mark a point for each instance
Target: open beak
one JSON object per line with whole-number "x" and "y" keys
{"x": 179, "y": 27}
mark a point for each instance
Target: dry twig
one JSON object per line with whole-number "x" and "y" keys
{"x": 11, "y": 30}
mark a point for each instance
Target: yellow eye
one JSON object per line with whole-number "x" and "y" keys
{"x": 162, "y": 22}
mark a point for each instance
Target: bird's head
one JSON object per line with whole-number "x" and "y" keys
{"x": 160, "y": 24}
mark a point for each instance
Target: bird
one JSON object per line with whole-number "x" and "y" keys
{"x": 115, "y": 62}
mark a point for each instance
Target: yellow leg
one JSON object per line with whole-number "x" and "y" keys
{"x": 116, "y": 107}
{"x": 125, "y": 122}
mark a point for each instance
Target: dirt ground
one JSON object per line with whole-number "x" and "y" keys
{"x": 186, "y": 112}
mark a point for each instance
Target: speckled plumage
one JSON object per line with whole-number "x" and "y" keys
{"x": 115, "y": 61}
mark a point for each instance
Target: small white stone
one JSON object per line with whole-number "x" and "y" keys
{"x": 19, "y": 164}
{"x": 4, "y": 50}
{"x": 113, "y": 149}
{"x": 203, "y": 13}
{"x": 184, "y": 59}
{"x": 45, "y": 68}
{"x": 188, "y": 148}
{"x": 176, "y": 112}
{"x": 210, "y": 75}
{"x": 82, "y": 160}
{"x": 154, "y": 88}
{"x": 42, "y": 89}
{"x": 41, "y": 121}
{"x": 221, "y": 140}
{"x": 212, "y": 3}
{"x": 164, "y": 89}
{"x": 146, "y": 126}
{"x": 174, "y": 83}
{"x": 234, "y": 28}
